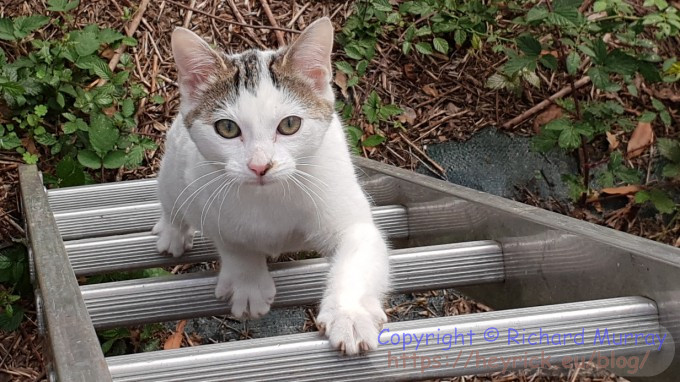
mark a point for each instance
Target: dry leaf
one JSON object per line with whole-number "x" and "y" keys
{"x": 341, "y": 81}
{"x": 623, "y": 190}
{"x": 430, "y": 90}
{"x": 29, "y": 144}
{"x": 410, "y": 72}
{"x": 108, "y": 53}
{"x": 408, "y": 116}
{"x": 175, "y": 340}
{"x": 550, "y": 52}
{"x": 110, "y": 111}
{"x": 552, "y": 113}
{"x": 613, "y": 141}
{"x": 642, "y": 137}
{"x": 159, "y": 126}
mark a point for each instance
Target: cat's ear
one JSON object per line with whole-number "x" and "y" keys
{"x": 196, "y": 62}
{"x": 310, "y": 54}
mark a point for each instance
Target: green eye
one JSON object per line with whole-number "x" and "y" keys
{"x": 227, "y": 128}
{"x": 289, "y": 125}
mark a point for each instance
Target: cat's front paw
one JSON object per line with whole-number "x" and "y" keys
{"x": 249, "y": 298}
{"x": 172, "y": 240}
{"x": 351, "y": 328}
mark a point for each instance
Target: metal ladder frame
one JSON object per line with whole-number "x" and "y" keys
{"x": 537, "y": 257}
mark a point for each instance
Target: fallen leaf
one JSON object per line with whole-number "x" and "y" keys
{"x": 108, "y": 53}
{"x": 341, "y": 81}
{"x": 552, "y": 113}
{"x": 642, "y": 137}
{"x": 159, "y": 126}
{"x": 667, "y": 94}
{"x": 110, "y": 111}
{"x": 613, "y": 141}
{"x": 29, "y": 144}
{"x": 430, "y": 90}
{"x": 175, "y": 340}
{"x": 451, "y": 108}
{"x": 410, "y": 72}
{"x": 623, "y": 190}
{"x": 408, "y": 116}
{"x": 550, "y": 52}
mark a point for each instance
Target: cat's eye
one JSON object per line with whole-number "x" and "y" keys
{"x": 289, "y": 125}
{"x": 227, "y": 128}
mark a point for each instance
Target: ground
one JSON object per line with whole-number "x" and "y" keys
{"x": 444, "y": 97}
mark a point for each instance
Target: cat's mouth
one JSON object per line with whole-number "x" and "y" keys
{"x": 262, "y": 182}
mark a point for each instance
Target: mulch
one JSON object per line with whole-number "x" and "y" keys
{"x": 444, "y": 96}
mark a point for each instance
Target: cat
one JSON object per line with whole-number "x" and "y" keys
{"x": 257, "y": 161}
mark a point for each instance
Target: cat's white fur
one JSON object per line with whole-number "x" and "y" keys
{"x": 310, "y": 199}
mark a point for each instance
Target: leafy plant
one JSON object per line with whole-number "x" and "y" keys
{"x": 611, "y": 48}
{"x": 66, "y": 107}
{"x": 121, "y": 341}
{"x": 14, "y": 283}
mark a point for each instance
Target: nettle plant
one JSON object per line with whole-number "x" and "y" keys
{"x": 423, "y": 27}
{"x": 612, "y": 47}
{"x": 61, "y": 104}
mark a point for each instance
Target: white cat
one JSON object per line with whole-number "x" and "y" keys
{"x": 257, "y": 160}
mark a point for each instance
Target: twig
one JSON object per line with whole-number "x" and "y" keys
{"x": 187, "y": 16}
{"x": 545, "y": 103}
{"x": 239, "y": 23}
{"x": 239, "y": 16}
{"x": 272, "y": 20}
{"x": 131, "y": 29}
{"x": 436, "y": 165}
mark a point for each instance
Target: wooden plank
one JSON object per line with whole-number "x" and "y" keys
{"x": 75, "y": 348}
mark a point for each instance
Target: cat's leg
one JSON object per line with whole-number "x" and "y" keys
{"x": 245, "y": 282}
{"x": 173, "y": 239}
{"x": 351, "y": 313}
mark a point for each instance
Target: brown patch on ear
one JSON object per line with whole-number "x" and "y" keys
{"x": 286, "y": 77}
{"x": 225, "y": 85}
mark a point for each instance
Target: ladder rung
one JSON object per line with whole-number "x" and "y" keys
{"x": 103, "y": 195}
{"x": 380, "y": 187}
{"x": 298, "y": 282}
{"x": 308, "y": 356}
{"x": 133, "y": 218}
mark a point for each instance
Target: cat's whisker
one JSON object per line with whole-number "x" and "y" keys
{"x": 206, "y": 163}
{"x": 219, "y": 211}
{"x": 211, "y": 199}
{"x": 172, "y": 212}
{"x": 193, "y": 196}
{"x": 313, "y": 179}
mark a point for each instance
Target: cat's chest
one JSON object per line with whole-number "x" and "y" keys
{"x": 262, "y": 226}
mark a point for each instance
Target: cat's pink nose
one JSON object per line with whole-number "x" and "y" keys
{"x": 259, "y": 169}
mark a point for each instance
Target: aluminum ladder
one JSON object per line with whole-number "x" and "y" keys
{"x": 542, "y": 270}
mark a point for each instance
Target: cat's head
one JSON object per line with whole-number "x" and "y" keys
{"x": 259, "y": 113}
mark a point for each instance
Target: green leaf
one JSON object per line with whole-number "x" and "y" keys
{"x": 155, "y": 272}
{"x": 440, "y": 45}
{"x": 621, "y": 63}
{"x": 128, "y": 107}
{"x": 12, "y": 322}
{"x": 647, "y": 117}
{"x": 129, "y": 41}
{"x": 641, "y": 197}
{"x": 73, "y": 126}
{"x": 671, "y": 170}
{"x": 658, "y": 105}
{"x": 569, "y": 139}
{"x": 661, "y": 201}
{"x": 25, "y": 25}
{"x": 86, "y": 43}
{"x": 518, "y": 63}
{"x": 549, "y": 61}
{"x": 10, "y": 141}
{"x": 665, "y": 118}
{"x": 89, "y": 159}
{"x": 70, "y": 173}
{"x": 459, "y": 36}
{"x": 7, "y": 29}
{"x": 601, "y": 80}
{"x": 5, "y": 262}
{"x": 390, "y": 110}
{"x": 558, "y": 124}
{"x": 344, "y": 67}
{"x": 103, "y": 136}
{"x": 354, "y": 134}
{"x": 669, "y": 149}
{"x": 106, "y": 346}
{"x": 30, "y": 158}
{"x": 157, "y": 99}
{"x": 537, "y": 13}
{"x": 529, "y": 45}
{"x": 62, "y": 5}
{"x": 573, "y": 63}
{"x": 114, "y": 159}
{"x": 373, "y": 140}
{"x": 424, "y": 48}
